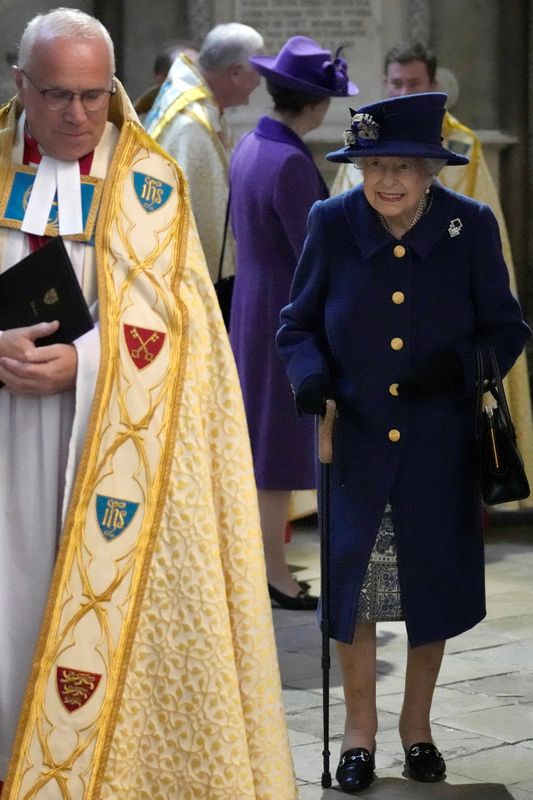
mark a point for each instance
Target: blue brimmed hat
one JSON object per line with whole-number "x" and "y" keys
{"x": 408, "y": 126}
{"x": 303, "y": 66}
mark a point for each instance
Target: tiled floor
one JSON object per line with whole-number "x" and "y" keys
{"x": 483, "y": 707}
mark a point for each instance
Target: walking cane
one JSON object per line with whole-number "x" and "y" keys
{"x": 325, "y": 456}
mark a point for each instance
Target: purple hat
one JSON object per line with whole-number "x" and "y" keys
{"x": 400, "y": 126}
{"x": 302, "y": 65}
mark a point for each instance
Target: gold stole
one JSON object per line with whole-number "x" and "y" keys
{"x": 74, "y": 692}
{"x": 460, "y": 139}
{"x": 189, "y": 103}
{"x": 188, "y": 97}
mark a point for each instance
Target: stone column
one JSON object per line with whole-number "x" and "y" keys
{"x": 200, "y": 19}
{"x": 419, "y": 21}
{"x": 528, "y": 199}
{"x": 14, "y": 16}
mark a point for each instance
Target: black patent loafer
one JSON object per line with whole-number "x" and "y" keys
{"x": 423, "y": 762}
{"x": 355, "y": 770}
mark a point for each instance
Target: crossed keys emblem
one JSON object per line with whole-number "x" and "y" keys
{"x": 142, "y": 351}
{"x": 143, "y": 344}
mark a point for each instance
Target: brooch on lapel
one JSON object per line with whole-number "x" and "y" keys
{"x": 454, "y": 228}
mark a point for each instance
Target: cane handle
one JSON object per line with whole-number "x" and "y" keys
{"x": 325, "y": 434}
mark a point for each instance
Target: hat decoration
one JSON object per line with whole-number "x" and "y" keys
{"x": 363, "y": 131}
{"x": 336, "y": 74}
{"x": 304, "y": 66}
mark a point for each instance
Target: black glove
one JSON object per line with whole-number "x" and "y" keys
{"x": 439, "y": 373}
{"x": 312, "y": 395}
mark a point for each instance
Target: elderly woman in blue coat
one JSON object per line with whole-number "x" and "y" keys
{"x": 274, "y": 183}
{"x": 398, "y": 280}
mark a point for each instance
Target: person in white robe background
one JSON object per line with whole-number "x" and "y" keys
{"x": 187, "y": 119}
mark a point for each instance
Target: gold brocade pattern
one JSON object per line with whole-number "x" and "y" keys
{"x": 204, "y": 645}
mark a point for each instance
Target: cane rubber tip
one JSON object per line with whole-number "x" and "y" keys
{"x": 326, "y": 780}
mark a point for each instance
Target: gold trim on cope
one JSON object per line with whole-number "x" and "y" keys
{"x": 396, "y": 343}
{"x": 394, "y": 435}
{"x": 399, "y": 251}
{"x": 117, "y": 419}
{"x": 398, "y": 298}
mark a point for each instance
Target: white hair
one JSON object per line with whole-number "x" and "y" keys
{"x": 431, "y": 166}
{"x": 434, "y": 165}
{"x": 62, "y": 23}
{"x": 228, "y": 44}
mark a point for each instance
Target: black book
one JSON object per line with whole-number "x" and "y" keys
{"x": 43, "y": 287}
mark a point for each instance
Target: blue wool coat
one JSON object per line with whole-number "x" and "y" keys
{"x": 365, "y": 310}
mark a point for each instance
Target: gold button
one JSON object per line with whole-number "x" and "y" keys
{"x": 393, "y": 389}
{"x": 394, "y": 435}
{"x": 398, "y": 298}
{"x": 396, "y": 343}
{"x": 399, "y": 251}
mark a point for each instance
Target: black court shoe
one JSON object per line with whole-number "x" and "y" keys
{"x": 423, "y": 762}
{"x": 302, "y": 602}
{"x": 356, "y": 769}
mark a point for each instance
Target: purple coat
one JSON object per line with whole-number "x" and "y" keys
{"x": 274, "y": 183}
{"x": 365, "y": 310}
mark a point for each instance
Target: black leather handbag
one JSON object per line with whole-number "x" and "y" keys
{"x": 502, "y": 474}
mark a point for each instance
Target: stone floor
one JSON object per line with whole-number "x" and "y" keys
{"x": 483, "y": 707}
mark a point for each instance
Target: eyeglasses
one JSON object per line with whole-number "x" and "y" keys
{"x": 60, "y": 99}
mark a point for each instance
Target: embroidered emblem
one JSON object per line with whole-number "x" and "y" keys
{"x": 143, "y": 344}
{"x": 114, "y": 515}
{"x": 75, "y": 687}
{"x": 152, "y": 193}
{"x": 51, "y": 297}
{"x": 15, "y": 201}
{"x": 454, "y": 228}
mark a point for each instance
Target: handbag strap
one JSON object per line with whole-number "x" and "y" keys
{"x": 224, "y": 237}
{"x": 479, "y": 391}
{"x": 495, "y": 387}
{"x": 498, "y": 392}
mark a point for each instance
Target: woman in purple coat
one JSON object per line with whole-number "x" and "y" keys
{"x": 399, "y": 280}
{"x": 274, "y": 183}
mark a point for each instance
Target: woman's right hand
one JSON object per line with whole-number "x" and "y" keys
{"x": 312, "y": 395}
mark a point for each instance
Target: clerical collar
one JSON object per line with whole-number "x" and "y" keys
{"x": 55, "y": 179}
{"x": 33, "y": 155}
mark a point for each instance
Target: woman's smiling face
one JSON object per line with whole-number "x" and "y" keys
{"x": 394, "y": 185}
